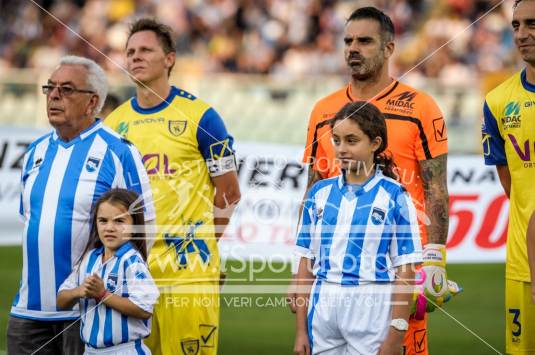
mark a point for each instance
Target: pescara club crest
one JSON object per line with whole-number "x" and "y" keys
{"x": 378, "y": 216}
{"x": 92, "y": 164}
{"x": 176, "y": 128}
{"x": 111, "y": 283}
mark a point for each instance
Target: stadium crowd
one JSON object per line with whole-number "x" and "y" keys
{"x": 280, "y": 37}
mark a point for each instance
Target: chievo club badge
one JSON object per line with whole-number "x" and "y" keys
{"x": 176, "y": 128}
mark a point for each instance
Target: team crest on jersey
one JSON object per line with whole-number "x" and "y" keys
{"x": 176, "y": 128}
{"x": 511, "y": 115}
{"x": 378, "y": 216}
{"x": 190, "y": 346}
{"x": 111, "y": 283}
{"x": 92, "y": 164}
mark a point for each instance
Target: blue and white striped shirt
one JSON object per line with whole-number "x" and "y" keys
{"x": 357, "y": 237}
{"x": 126, "y": 275}
{"x": 60, "y": 183}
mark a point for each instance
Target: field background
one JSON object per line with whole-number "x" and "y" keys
{"x": 270, "y": 330}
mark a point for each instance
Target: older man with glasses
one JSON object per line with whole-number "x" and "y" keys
{"x": 63, "y": 173}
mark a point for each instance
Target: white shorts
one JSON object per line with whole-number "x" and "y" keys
{"x": 131, "y": 348}
{"x": 348, "y": 319}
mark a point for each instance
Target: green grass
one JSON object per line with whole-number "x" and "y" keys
{"x": 248, "y": 329}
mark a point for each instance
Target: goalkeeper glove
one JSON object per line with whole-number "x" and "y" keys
{"x": 421, "y": 304}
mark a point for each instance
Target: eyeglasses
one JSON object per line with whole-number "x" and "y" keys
{"x": 64, "y": 90}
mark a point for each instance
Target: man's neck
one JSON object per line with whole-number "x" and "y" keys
{"x": 530, "y": 73}
{"x": 369, "y": 89}
{"x": 152, "y": 94}
{"x": 68, "y": 133}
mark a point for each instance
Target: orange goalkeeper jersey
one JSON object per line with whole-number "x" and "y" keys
{"x": 416, "y": 131}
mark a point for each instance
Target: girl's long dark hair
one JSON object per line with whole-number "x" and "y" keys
{"x": 372, "y": 122}
{"x": 133, "y": 203}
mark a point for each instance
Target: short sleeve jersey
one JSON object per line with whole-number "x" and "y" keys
{"x": 60, "y": 183}
{"x": 358, "y": 237}
{"x": 183, "y": 142}
{"x": 508, "y": 139}
{"x": 416, "y": 132}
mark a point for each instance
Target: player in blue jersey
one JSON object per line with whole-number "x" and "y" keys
{"x": 358, "y": 241}
{"x": 64, "y": 173}
{"x": 112, "y": 282}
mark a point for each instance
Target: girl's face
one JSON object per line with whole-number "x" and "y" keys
{"x": 113, "y": 225}
{"x": 354, "y": 149}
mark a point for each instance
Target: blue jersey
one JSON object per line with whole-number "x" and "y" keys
{"x": 60, "y": 183}
{"x": 126, "y": 275}
{"x": 358, "y": 236}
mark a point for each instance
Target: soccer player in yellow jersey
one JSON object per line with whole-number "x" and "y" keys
{"x": 190, "y": 161}
{"x": 508, "y": 143}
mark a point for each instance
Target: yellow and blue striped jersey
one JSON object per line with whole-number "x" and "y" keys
{"x": 183, "y": 142}
{"x": 508, "y": 139}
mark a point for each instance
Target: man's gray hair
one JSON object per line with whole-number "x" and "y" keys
{"x": 96, "y": 77}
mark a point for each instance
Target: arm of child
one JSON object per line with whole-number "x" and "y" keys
{"x": 531, "y": 253}
{"x": 70, "y": 292}
{"x": 401, "y": 306}
{"x": 95, "y": 289}
{"x": 304, "y": 280}
{"x": 68, "y": 298}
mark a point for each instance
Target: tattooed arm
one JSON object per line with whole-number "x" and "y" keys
{"x": 435, "y": 181}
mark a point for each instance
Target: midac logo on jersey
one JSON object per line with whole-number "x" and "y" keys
{"x": 111, "y": 283}
{"x": 403, "y": 100}
{"x": 92, "y": 164}
{"x": 378, "y": 215}
{"x": 511, "y": 115}
{"x": 176, "y": 128}
{"x": 122, "y": 129}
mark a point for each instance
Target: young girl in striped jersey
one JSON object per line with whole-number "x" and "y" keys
{"x": 358, "y": 242}
{"x": 112, "y": 282}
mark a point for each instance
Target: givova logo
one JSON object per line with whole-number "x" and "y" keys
{"x": 511, "y": 115}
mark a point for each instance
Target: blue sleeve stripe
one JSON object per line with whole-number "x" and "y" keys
{"x": 105, "y": 175}
{"x": 212, "y": 136}
{"x": 493, "y": 143}
{"x": 130, "y": 172}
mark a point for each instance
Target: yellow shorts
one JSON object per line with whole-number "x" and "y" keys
{"x": 186, "y": 321}
{"x": 519, "y": 318}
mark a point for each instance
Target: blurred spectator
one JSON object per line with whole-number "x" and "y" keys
{"x": 288, "y": 38}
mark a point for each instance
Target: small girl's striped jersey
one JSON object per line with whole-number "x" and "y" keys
{"x": 357, "y": 237}
{"x": 60, "y": 182}
{"x": 126, "y": 275}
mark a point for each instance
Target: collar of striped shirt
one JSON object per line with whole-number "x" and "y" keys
{"x": 123, "y": 249}
{"x": 366, "y": 186}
